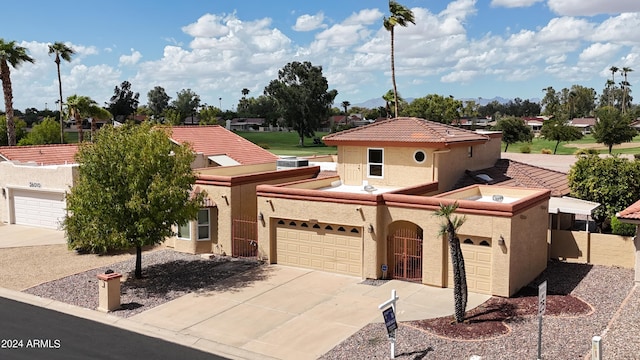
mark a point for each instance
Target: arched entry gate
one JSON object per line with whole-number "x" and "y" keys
{"x": 405, "y": 251}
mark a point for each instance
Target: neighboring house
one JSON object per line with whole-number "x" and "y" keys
{"x": 631, "y": 215}
{"x": 375, "y": 218}
{"x": 246, "y": 123}
{"x": 34, "y": 180}
{"x": 584, "y": 124}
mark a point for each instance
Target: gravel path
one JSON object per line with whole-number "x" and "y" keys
{"x": 167, "y": 275}
{"x": 605, "y": 288}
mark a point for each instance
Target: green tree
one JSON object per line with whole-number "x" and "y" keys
{"x": 612, "y": 127}
{"x": 302, "y": 95}
{"x": 133, "y": 186}
{"x": 14, "y": 55}
{"x": 20, "y": 129}
{"x": 158, "y": 101}
{"x": 436, "y": 108}
{"x": 43, "y": 133}
{"x": 124, "y": 102}
{"x": 400, "y": 16}
{"x": 559, "y": 130}
{"x": 208, "y": 115}
{"x": 450, "y": 228}
{"x": 626, "y": 88}
{"x": 513, "y": 130}
{"x": 345, "y": 106}
{"x": 551, "y": 102}
{"x": 611, "y": 181}
{"x": 81, "y": 107}
{"x": 186, "y": 103}
{"x": 62, "y": 52}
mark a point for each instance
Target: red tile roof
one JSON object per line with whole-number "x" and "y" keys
{"x": 216, "y": 140}
{"x": 41, "y": 154}
{"x": 631, "y": 213}
{"x": 405, "y": 131}
{"x": 507, "y": 172}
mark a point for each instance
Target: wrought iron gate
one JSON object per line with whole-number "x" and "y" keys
{"x": 406, "y": 250}
{"x": 244, "y": 241}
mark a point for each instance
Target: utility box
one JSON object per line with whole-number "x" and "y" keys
{"x": 109, "y": 291}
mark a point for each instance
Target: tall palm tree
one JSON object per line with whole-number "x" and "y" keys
{"x": 614, "y": 69}
{"x": 63, "y": 52}
{"x": 14, "y": 55}
{"x": 401, "y": 16}
{"x": 345, "y": 106}
{"x": 449, "y": 228}
{"x": 245, "y": 92}
{"x": 625, "y": 87}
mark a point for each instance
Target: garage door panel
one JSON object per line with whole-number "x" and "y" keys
{"x": 477, "y": 262}
{"x": 36, "y": 208}
{"x": 335, "y": 251}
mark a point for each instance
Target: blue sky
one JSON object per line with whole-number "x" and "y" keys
{"x": 463, "y": 48}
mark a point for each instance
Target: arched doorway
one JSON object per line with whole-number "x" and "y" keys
{"x": 404, "y": 249}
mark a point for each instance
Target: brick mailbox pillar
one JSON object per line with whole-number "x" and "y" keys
{"x": 109, "y": 291}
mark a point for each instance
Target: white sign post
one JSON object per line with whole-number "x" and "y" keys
{"x": 390, "y": 320}
{"x": 542, "y": 306}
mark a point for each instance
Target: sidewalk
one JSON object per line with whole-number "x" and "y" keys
{"x": 22, "y": 235}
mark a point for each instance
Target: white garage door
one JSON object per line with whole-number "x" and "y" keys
{"x": 326, "y": 247}
{"x": 41, "y": 209}
{"x": 477, "y": 265}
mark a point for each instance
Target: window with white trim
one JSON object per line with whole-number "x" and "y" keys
{"x": 203, "y": 224}
{"x": 375, "y": 161}
{"x": 184, "y": 231}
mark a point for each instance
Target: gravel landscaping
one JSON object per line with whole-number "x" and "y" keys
{"x": 564, "y": 337}
{"x": 167, "y": 275}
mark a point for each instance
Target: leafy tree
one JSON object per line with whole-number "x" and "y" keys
{"x": 435, "y": 107}
{"x": 449, "y": 228}
{"x": 20, "y": 128}
{"x": 302, "y": 95}
{"x": 581, "y": 101}
{"x": 612, "y": 128}
{"x": 263, "y": 107}
{"x": 31, "y": 116}
{"x": 81, "y": 107}
{"x": 559, "y": 130}
{"x": 62, "y": 52}
{"x": 611, "y": 181}
{"x": 550, "y": 102}
{"x": 124, "y": 102}
{"x": 43, "y": 133}
{"x": 513, "y": 130}
{"x": 172, "y": 116}
{"x": 186, "y": 103}
{"x": 14, "y": 55}
{"x": 158, "y": 101}
{"x": 133, "y": 186}
{"x": 400, "y": 16}
{"x": 209, "y": 115}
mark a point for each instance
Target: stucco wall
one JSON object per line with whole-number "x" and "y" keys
{"x": 450, "y": 166}
{"x": 53, "y": 178}
{"x": 593, "y": 248}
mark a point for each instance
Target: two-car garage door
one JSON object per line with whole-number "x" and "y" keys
{"x": 39, "y": 208}
{"x": 326, "y": 247}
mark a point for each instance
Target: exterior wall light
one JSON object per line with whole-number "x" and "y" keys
{"x": 370, "y": 228}
{"x": 260, "y": 216}
{"x": 501, "y": 241}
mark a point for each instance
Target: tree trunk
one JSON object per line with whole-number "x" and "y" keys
{"x": 556, "y": 148}
{"x": 610, "y": 148}
{"x": 8, "y": 102}
{"x": 393, "y": 76}
{"x": 79, "y": 128}
{"x": 60, "y": 93}
{"x": 459, "y": 275}
{"x": 506, "y": 147}
{"x": 138, "y": 262}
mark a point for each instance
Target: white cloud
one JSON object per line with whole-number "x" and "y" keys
{"x": 132, "y": 59}
{"x": 309, "y": 22}
{"x": 622, "y": 29}
{"x": 592, "y": 7}
{"x": 565, "y": 29}
{"x": 513, "y": 3}
{"x": 208, "y": 25}
{"x": 598, "y": 51}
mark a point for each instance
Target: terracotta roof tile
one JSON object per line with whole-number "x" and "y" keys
{"x": 57, "y": 154}
{"x": 507, "y": 172}
{"x": 216, "y": 140}
{"x": 407, "y": 130}
{"x": 632, "y": 212}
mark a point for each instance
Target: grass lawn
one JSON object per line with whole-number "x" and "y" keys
{"x": 538, "y": 144}
{"x": 286, "y": 143}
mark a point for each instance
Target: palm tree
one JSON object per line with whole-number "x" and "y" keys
{"x": 14, "y": 55}
{"x": 245, "y": 92}
{"x": 614, "y": 69}
{"x": 63, "y": 52}
{"x": 625, "y": 87}
{"x": 449, "y": 228}
{"x": 79, "y": 108}
{"x": 400, "y": 15}
{"x": 345, "y": 106}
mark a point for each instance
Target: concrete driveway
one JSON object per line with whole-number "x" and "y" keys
{"x": 295, "y": 313}
{"x": 21, "y": 235}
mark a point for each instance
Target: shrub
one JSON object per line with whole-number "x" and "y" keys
{"x": 620, "y": 228}
{"x": 587, "y": 152}
{"x": 525, "y": 149}
{"x": 636, "y": 156}
{"x": 546, "y": 151}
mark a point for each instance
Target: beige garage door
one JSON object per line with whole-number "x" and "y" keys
{"x": 477, "y": 263}
{"x": 41, "y": 209}
{"x": 326, "y": 247}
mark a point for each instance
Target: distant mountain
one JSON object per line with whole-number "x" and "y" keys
{"x": 378, "y": 102}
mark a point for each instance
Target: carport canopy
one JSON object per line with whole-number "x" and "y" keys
{"x": 569, "y": 205}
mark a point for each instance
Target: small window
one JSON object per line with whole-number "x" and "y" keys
{"x": 316, "y": 226}
{"x": 355, "y": 231}
{"x": 468, "y": 241}
{"x": 281, "y": 222}
{"x": 375, "y": 161}
{"x": 293, "y": 223}
{"x": 203, "y": 224}
{"x": 470, "y": 151}
{"x": 341, "y": 229}
{"x": 184, "y": 231}
{"x": 304, "y": 225}
{"x": 328, "y": 227}
{"x": 484, "y": 243}
{"x": 419, "y": 156}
